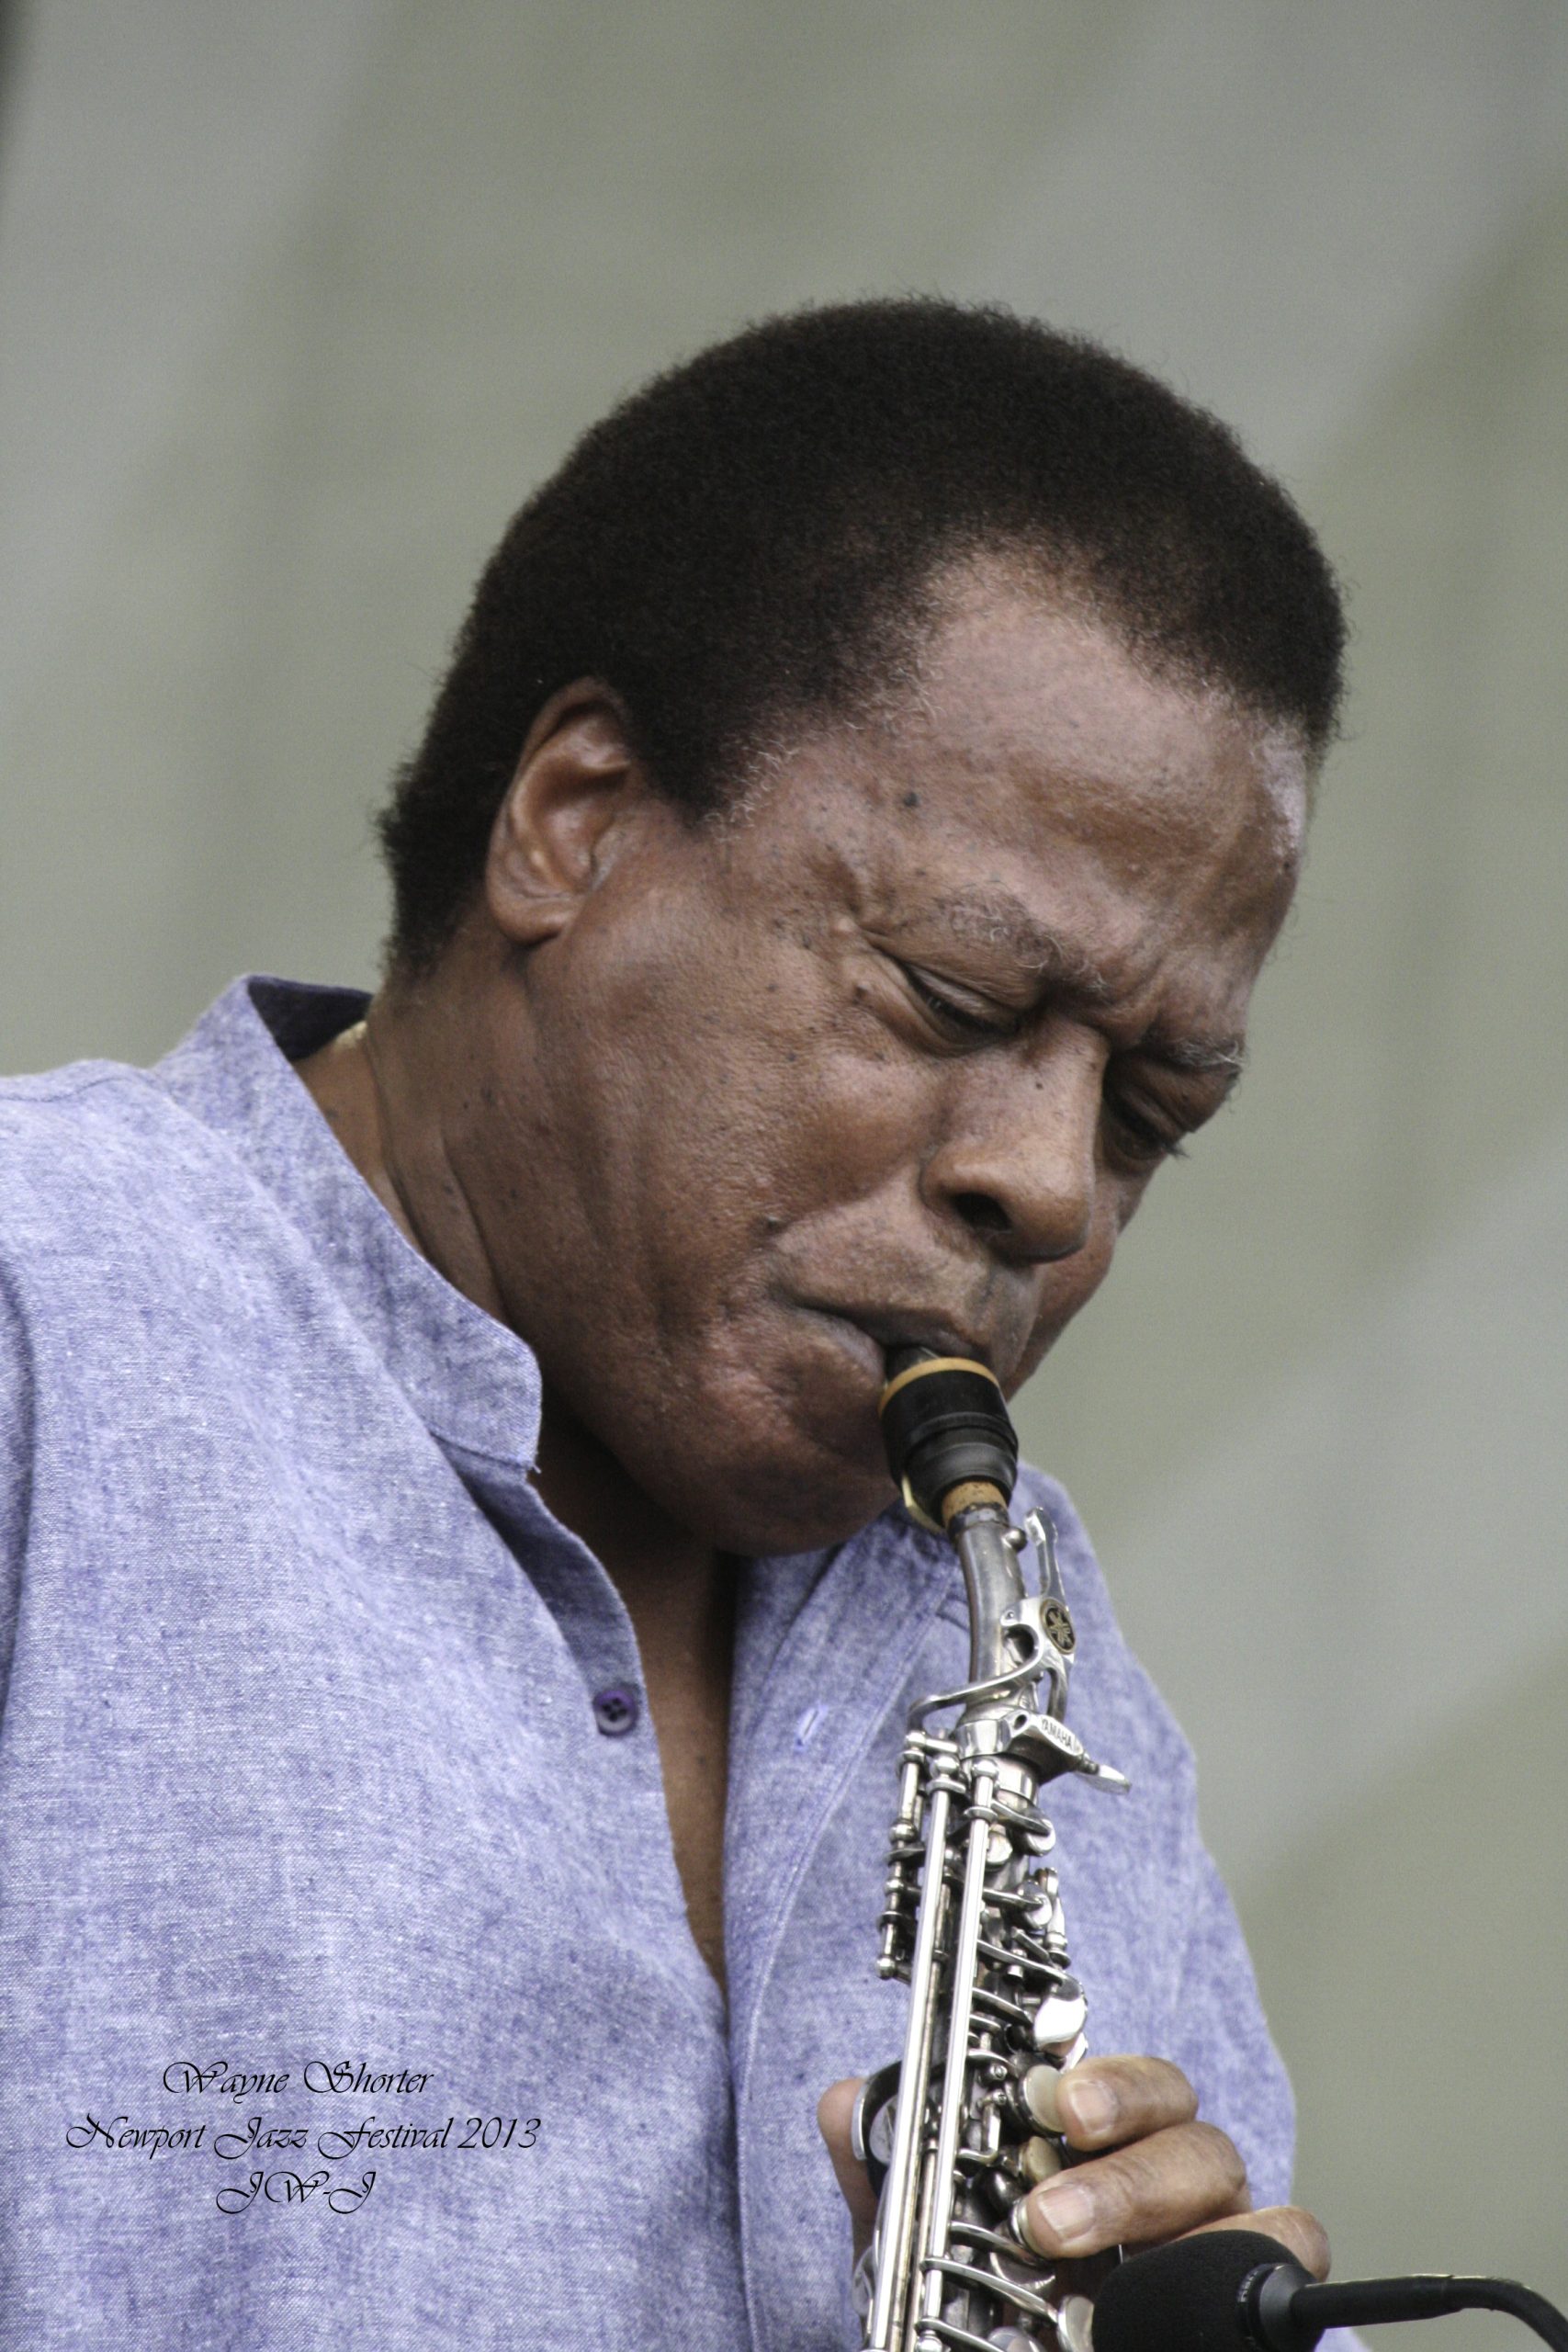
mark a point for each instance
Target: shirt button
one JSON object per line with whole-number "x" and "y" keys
{"x": 616, "y": 1710}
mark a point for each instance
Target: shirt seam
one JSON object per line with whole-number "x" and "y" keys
{"x": 8, "y": 1293}
{"x": 27, "y": 1086}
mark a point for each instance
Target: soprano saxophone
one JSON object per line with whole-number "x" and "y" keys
{"x": 954, "y": 2135}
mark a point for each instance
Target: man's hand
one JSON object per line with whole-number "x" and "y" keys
{"x": 1155, "y": 2173}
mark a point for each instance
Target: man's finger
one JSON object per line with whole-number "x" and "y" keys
{"x": 1100, "y": 2102}
{"x": 834, "y": 2109}
{"x": 1300, "y": 2232}
{"x": 1161, "y": 2187}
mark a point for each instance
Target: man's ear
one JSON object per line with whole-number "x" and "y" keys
{"x": 576, "y": 781}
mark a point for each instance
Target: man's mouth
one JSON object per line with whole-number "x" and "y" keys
{"x": 872, "y": 1332}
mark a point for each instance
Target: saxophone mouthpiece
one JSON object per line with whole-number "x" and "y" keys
{"x": 951, "y": 1444}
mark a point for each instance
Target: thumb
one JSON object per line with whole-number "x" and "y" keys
{"x": 834, "y": 2109}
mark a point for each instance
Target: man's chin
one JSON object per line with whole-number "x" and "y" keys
{"x": 801, "y": 1492}
{"x": 778, "y": 1447}
{"x": 761, "y": 1519}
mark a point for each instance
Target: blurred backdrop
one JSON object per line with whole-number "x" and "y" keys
{"x": 296, "y": 303}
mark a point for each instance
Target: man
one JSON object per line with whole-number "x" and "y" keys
{"x": 460, "y": 1632}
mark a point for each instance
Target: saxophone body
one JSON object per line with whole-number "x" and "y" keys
{"x": 954, "y": 2133}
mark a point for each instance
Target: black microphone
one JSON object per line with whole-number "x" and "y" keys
{"x": 1236, "y": 2291}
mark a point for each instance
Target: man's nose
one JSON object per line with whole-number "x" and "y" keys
{"x": 1020, "y": 1163}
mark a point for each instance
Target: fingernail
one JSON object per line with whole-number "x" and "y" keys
{"x": 1066, "y": 2211}
{"x": 1092, "y": 2108}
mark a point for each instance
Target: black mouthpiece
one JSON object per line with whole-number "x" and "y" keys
{"x": 945, "y": 1425}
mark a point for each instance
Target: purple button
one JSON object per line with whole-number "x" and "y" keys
{"x": 616, "y": 1710}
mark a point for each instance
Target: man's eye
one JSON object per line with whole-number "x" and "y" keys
{"x": 1139, "y": 1140}
{"x": 959, "y": 1017}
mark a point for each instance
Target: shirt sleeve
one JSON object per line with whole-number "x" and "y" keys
{"x": 1225, "y": 2048}
{"x": 1221, "y": 2039}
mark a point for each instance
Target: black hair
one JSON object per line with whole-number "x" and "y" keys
{"x": 755, "y": 535}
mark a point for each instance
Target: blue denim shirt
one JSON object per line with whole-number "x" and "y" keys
{"x": 346, "y": 1990}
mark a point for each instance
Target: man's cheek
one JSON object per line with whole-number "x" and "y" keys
{"x": 865, "y": 1115}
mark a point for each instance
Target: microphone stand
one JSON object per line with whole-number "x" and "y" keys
{"x": 1236, "y": 2291}
{"x": 1290, "y": 2317}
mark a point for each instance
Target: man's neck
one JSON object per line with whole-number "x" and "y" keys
{"x": 669, "y": 1579}
{"x": 678, "y": 1591}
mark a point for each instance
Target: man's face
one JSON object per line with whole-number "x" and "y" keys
{"x": 891, "y": 1055}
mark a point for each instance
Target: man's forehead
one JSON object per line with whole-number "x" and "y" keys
{"x": 1110, "y": 839}
{"x": 1018, "y": 665}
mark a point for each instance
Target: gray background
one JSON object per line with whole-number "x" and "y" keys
{"x": 296, "y": 302}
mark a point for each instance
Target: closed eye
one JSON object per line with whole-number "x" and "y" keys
{"x": 961, "y": 1017}
{"x": 1137, "y": 1139}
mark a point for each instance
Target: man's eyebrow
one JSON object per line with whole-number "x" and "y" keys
{"x": 1002, "y": 921}
{"x": 1005, "y": 921}
{"x": 1224, "y": 1058}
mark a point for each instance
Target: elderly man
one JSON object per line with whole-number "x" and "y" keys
{"x": 458, "y": 1629}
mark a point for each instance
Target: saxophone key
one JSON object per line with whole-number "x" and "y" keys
{"x": 1061, "y": 2016}
{"x": 1040, "y": 2160}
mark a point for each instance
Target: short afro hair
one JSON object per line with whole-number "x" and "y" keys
{"x": 754, "y": 537}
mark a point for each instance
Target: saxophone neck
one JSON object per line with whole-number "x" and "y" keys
{"x": 1021, "y": 1650}
{"x": 988, "y": 1546}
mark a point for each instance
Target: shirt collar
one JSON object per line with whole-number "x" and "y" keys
{"x": 473, "y": 1382}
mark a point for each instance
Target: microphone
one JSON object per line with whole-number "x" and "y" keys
{"x": 1236, "y": 2291}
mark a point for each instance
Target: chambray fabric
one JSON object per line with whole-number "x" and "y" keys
{"x": 301, "y": 1773}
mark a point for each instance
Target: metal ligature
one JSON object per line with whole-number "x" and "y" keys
{"x": 954, "y": 2135}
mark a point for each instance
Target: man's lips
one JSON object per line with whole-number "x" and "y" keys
{"x": 871, "y": 1331}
